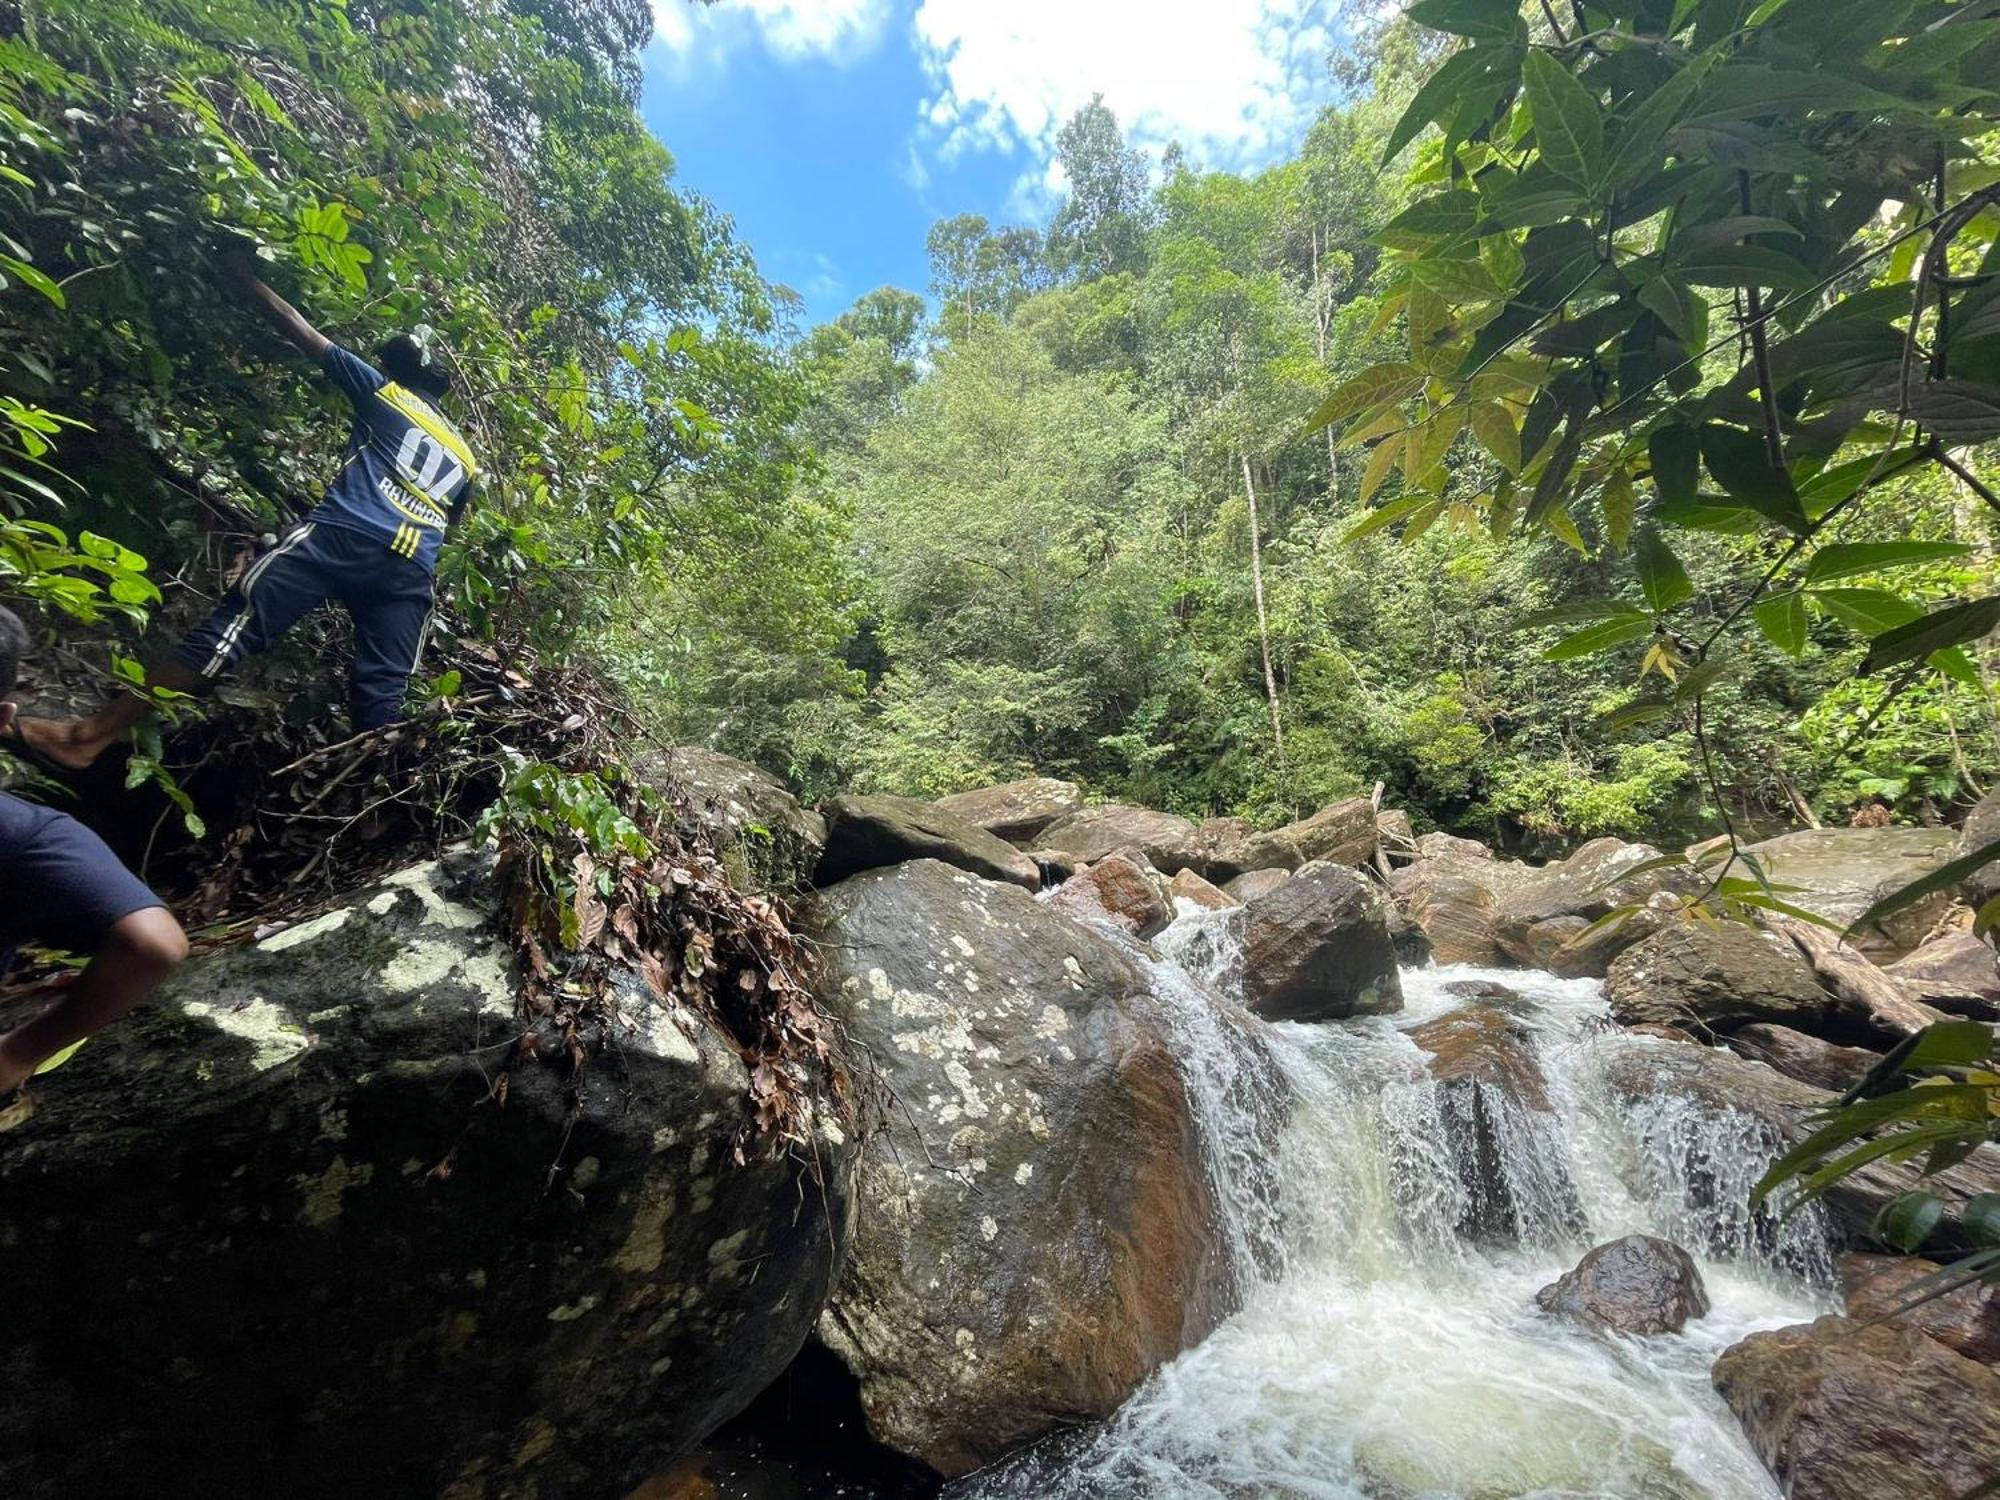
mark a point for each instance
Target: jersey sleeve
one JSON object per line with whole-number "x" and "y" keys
{"x": 352, "y": 374}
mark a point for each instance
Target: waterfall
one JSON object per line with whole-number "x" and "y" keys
{"x": 1389, "y": 1232}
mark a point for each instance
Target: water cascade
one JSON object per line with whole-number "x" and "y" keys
{"x": 1389, "y": 1232}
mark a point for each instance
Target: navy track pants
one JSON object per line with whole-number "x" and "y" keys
{"x": 389, "y": 598}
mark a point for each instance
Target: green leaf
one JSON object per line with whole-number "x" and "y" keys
{"x": 1463, "y": 71}
{"x": 1493, "y": 425}
{"x": 1385, "y": 516}
{"x": 1675, "y": 455}
{"x": 1619, "y": 507}
{"x": 1662, "y": 579}
{"x": 1959, "y": 411}
{"x": 1980, "y": 1219}
{"x": 1674, "y": 302}
{"x": 1906, "y": 1222}
{"x": 1479, "y": 19}
{"x": 1601, "y": 637}
{"x": 1741, "y": 465}
{"x": 1870, "y": 611}
{"x": 1580, "y": 609}
{"x": 1638, "y": 146}
{"x": 1569, "y": 127}
{"x": 1945, "y": 877}
{"x": 1782, "y": 618}
{"x": 1440, "y": 216}
{"x": 1845, "y": 559}
{"x": 1372, "y": 387}
{"x": 1457, "y": 281}
{"x": 1954, "y": 625}
{"x": 1745, "y": 265}
{"x": 1632, "y": 715}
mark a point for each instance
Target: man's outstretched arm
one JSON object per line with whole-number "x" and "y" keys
{"x": 240, "y": 276}
{"x": 139, "y": 950}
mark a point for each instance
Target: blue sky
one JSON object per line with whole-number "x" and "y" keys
{"x": 835, "y": 132}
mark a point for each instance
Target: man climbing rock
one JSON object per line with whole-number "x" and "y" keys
{"x": 60, "y": 885}
{"x": 371, "y": 544}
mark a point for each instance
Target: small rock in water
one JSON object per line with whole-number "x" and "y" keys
{"x": 1639, "y": 1284}
{"x": 1188, "y": 886}
{"x": 1118, "y": 889}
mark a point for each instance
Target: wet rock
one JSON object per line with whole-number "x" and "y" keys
{"x": 1453, "y": 895}
{"x": 1822, "y": 1064}
{"x": 1213, "y": 850}
{"x": 1411, "y": 942}
{"x": 1107, "y": 829}
{"x": 1056, "y": 865}
{"x": 1714, "y": 975}
{"x": 1493, "y": 1104}
{"x": 1966, "y": 1319}
{"x": 1017, "y": 811}
{"x": 1843, "y": 1411}
{"x": 1775, "y": 1112}
{"x": 280, "y": 1240}
{"x": 1318, "y": 949}
{"x": 868, "y": 833}
{"x": 1840, "y": 872}
{"x": 1188, "y": 886}
{"x": 1253, "y": 883}
{"x": 1117, "y": 888}
{"x": 1494, "y": 993}
{"x": 1551, "y": 907}
{"x": 1960, "y": 972}
{"x": 763, "y": 834}
{"x": 1035, "y": 1231}
{"x": 1639, "y": 1285}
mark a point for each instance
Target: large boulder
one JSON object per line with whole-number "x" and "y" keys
{"x": 1981, "y": 830}
{"x": 1318, "y": 948}
{"x": 1120, "y": 890}
{"x": 1850, "y": 1411}
{"x": 1767, "y": 1114}
{"x": 1495, "y": 1122}
{"x": 1639, "y": 1284}
{"x": 1453, "y": 895}
{"x": 1017, "y": 811}
{"x": 1253, "y": 883}
{"x": 764, "y": 835}
{"x": 1342, "y": 833}
{"x": 1113, "y": 826}
{"x": 1550, "y": 908}
{"x": 1036, "y": 1231}
{"x": 1959, "y": 972}
{"x": 1192, "y": 888}
{"x": 1823, "y": 1064}
{"x": 1967, "y": 1318}
{"x": 1714, "y": 975}
{"x": 867, "y": 833}
{"x": 276, "y": 1234}
{"x": 1838, "y": 873}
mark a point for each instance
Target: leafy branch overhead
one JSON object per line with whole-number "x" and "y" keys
{"x": 1699, "y": 267}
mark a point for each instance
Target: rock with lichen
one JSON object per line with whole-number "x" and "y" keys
{"x": 282, "y": 1236}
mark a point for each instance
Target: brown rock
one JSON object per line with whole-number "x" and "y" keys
{"x": 1967, "y": 1319}
{"x": 1318, "y": 949}
{"x": 1982, "y": 827}
{"x": 1453, "y": 895}
{"x": 1484, "y": 1045}
{"x": 1056, "y": 865}
{"x": 1844, "y": 1411}
{"x": 1395, "y": 833}
{"x": 1016, "y": 810}
{"x": 1440, "y": 845}
{"x": 1117, "y": 889}
{"x": 1637, "y": 1285}
{"x": 1822, "y": 1064}
{"x": 1253, "y": 883}
{"x": 764, "y": 836}
{"x": 1958, "y": 972}
{"x": 1097, "y": 831}
{"x": 1343, "y": 833}
{"x": 868, "y": 833}
{"x": 1188, "y": 886}
{"x": 1553, "y": 905}
{"x": 1715, "y": 975}
{"x": 1840, "y": 872}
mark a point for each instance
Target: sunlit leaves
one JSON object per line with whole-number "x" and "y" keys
{"x": 1569, "y": 127}
{"x": 1782, "y": 618}
{"x": 1846, "y": 559}
{"x": 1662, "y": 578}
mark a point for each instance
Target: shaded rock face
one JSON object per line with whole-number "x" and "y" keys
{"x": 1188, "y": 886}
{"x": 1318, "y": 948}
{"x": 1035, "y": 1231}
{"x": 1493, "y": 1108}
{"x": 1822, "y": 1064}
{"x": 1097, "y": 831}
{"x": 1017, "y": 811}
{"x": 867, "y": 833}
{"x": 1780, "y": 1108}
{"x": 1713, "y": 974}
{"x": 1982, "y": 827}
{"x": 1841, "y": 1411}
{"x": 281, "y": 1242}
{"x": 1639, "y": 1284}
{"x": 1551, "y": 907}
{"x": 1056, "y": 865}
{"x": 1254, "y": 883}
{"x": 1956, "y": 961}
{"x": 762, "y": 833}
{"x": 1453, "y": 897}
{"x": 1966, "y": 1319}
{"x": 1841, "y": 872}
{"x": 1117, "y": 889}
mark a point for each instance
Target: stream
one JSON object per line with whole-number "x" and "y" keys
{"x": 1380, "y": 1353}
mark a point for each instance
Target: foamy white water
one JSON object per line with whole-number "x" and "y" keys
{"x": 1379, "y": 1354}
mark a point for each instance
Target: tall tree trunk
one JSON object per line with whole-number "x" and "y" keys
{"x": 1322, "y": 324}
{"x": 1263, "y": 620}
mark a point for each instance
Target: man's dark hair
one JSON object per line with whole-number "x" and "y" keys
{"x": 404, "y": 361}
{"x": 13, "y": 646}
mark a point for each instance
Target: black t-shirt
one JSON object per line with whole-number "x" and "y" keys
{"x": 60, "y": 884}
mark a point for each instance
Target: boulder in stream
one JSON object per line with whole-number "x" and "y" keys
{"x": 271, "y": 1235}
{"x": 1452, "y": 895}
{"x": 1550, "y": 908}
{"x": 1318, "y": 948}
{"x": 1849, "y": 1411}
{"x": 1715, "y": 975}
{"x": 1823, "y": 1064}
{"x": 1112, "y": 827}
{"x": 1961, "y": 974}
{"x": 1838, "y": 873}
{"x": 1640, "y": 1284}
{"x": 1016, "y": 811}
{"x": 1188, "y": 886}
{"x": 1966, "y": 1318}
{"x": 1253, "y": 883}
{"x": 1118, "y": 889}
{"x": 867, "y": 833}
{"x": 1036, "y": 1231}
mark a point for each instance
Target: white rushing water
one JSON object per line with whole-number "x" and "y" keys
{"x": 1388, "y": 1348}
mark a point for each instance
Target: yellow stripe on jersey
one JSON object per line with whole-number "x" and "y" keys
{"x": 426, "y": 416}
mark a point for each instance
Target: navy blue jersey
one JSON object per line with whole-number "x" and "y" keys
{"x": 406, "y": 464}
{"x": 60, "y": 886}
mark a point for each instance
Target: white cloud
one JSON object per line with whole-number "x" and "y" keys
{"x": 789, "y": 29}
{"x": 1234, "y": 81}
